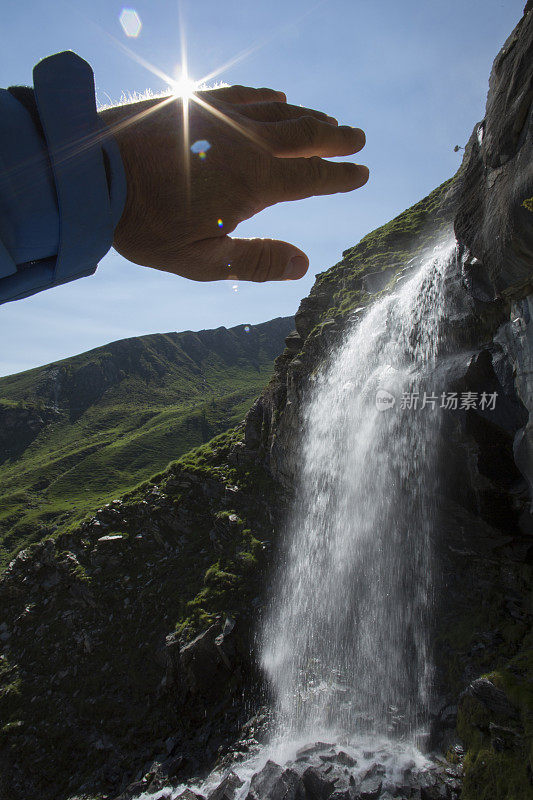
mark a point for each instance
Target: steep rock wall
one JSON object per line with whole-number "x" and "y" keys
{"x": 483, "y": 544}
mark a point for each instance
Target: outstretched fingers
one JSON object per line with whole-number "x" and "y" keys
{"x": 308, "y": 136}
{"x": 275, "y": 111}
{"x": 298, "y": 178}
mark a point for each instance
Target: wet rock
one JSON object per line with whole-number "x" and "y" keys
{"x": 312, "y": 749}
{"x": 318, "y": 784}
{"x": 173, "y": 766}
{"x": 227, "y": 789}
{"x": 376, "y": 281}
{"x": 263, "y": 782}
{"x": 201, "y": 664}
{"x": 134, "y": 790}
{"x": 492, "y": 698}
{"x": 345, "y": 760}
{"x": 187, "y": 794}
{"x": 340, "y": 758}
{"x": 370, "y": 787}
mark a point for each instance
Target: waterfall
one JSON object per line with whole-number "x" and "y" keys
{"x": 345, "y": 645}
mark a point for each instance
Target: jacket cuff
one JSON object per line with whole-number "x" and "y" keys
{"x": 87, "y": 174}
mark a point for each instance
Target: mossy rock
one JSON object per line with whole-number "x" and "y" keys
{"x": 496, "y": 764}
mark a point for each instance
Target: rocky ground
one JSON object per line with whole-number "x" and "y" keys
{"x": 322, "y": 771}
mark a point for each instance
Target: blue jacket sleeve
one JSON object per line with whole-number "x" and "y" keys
{"x": 62, "y": 182}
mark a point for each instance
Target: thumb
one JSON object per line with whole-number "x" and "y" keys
{"x": 260, "y": 259}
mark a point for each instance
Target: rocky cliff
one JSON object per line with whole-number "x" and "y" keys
{"x": 483, "y": 640}
{"x": 128, "y": 642}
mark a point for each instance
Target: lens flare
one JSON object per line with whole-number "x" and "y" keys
{"x": 200, "y": 148}
{"x": 220, "y": 223}
{"x": 131, "y": 22}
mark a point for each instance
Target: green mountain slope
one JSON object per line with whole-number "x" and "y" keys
{"x": 76, "y": 433}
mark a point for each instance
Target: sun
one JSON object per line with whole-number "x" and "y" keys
{"x": 184, "y": 86}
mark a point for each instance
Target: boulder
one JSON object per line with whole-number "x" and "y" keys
{"x": 318, "y": 784}
{"x": 187, "y": 794}
{"x": 262, "y": 782}
{"x": 211, "y": 662}
{"x": 227, "y": 789}
{"x": 370, "y": 788}
{"x": 494, "y": 700}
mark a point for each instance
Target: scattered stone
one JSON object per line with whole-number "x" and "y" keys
{"x": 370, "y": 788}
{"x": 111, "y": 537}
{"x": 187, "y": 794}
{"x": 340, "y": 758}
{"x": 227, "y": 789}
{"x": 318, "y": 784}
{"x": 311, "y": 749}
{"x": 262, "y": 782}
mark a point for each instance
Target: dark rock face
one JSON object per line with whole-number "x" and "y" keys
{"x": 494, "y": 219}
{"x": 19, "y": 425}
{"x": 209, "y": 665}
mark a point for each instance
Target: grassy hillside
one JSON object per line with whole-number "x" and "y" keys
{"x": 76, "y": 433}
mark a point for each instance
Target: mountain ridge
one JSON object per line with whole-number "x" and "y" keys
{"x": 76, "y": 432}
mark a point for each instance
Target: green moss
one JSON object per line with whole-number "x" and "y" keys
{"x": 505, "y": 775}
{"x": 11, "y": 728}
{"x": 393, "y": 245}
{"x": 495, "y": 776}
{"x": 528, "y": 203}
{"x": 10, "y": 687}
{"x": 490, "y": 774}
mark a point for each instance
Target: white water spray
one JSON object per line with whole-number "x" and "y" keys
{"x": 346, "y": 642}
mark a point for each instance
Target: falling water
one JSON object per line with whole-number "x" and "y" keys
{"x": 345, "y": 645}
{"x": 346, "y": 642}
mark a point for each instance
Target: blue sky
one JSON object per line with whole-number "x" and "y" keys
{"x": 412, "y": 74}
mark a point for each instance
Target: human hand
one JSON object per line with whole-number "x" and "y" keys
{"x": 263, "y": 151}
